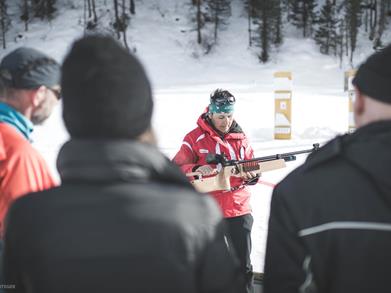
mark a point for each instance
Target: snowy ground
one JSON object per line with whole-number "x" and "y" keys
{"x": 316, "y": 118}
{"x": 183, "y": 79}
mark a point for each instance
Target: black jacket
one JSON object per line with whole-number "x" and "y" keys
{"x": 330, "y": 220}
{"x": 124, "y": 220}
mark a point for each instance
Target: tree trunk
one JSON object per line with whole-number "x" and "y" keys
{"x": 346, "y": 39}
{"x": 94, "y": 11}
{"x": 85, "y": 15}
{"x": 366, "y": 17}
{"x": 216, "y": 21}
{"x": 117, "y": 20}
{"x": 265, "y": 32}
{"x": 26, "y": 15}
{"x": 125, "y": 26}
{"x": 132, "y": 7}
{"x": 3, "y": 16}
{"x": 373, "y": 19}
{"x": 89, "y": 7}
{"x": 249, "y": 22}
{"x": 381, "y": 25}
{"x": 199, "y": 40}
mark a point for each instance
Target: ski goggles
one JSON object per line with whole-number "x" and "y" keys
{"x": 221, "y": 101}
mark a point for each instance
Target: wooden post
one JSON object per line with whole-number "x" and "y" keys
{"x": 282, "y": 105}
{"x": 349, "y": 75}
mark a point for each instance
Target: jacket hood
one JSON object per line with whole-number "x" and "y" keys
{"x": 118, "y": 160}
{"x": 369, "y": 149}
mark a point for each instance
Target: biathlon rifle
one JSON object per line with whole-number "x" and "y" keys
{"x": 221, "y": 180}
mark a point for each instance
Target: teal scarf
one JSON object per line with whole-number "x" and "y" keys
{"x": 11, "y": 116}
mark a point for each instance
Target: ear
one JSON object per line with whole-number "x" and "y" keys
{"x": 38, "y": 95}
{"x": 148, "y": 136}
{"x": 359, "y": 103}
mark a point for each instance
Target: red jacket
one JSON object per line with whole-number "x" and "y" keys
{"x": 203, "y": 140}
{"x": 22, "y": 169}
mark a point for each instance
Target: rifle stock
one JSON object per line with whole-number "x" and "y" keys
{"x": 221, "y": 181}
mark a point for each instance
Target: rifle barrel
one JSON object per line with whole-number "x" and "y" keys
{"x": 286, "y": 156}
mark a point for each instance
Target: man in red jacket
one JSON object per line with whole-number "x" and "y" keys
{"x": 29, "y": 90}
{"x": 218, "y": 133}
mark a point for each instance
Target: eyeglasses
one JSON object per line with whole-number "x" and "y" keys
{"x": 221, "y": 100}
{"x": 56, "y": 92}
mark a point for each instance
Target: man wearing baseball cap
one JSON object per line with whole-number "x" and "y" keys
{"x": 123, "y": 212}
{"x": 29, "y": 89}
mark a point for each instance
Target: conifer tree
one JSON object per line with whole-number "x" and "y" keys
{"x": 277, "y": 23}
{"x": 326, "y": 32}
{"x": 220, "y": 10}
{"x": 381, "y": 25}
{"x": 267, "y": 18}
{"x": 353, "y": 21}
{"x": 341, "y": 39}
{"x": 44, "y": 8}
{"x": 303, "y": 15}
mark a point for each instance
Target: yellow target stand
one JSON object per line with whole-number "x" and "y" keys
{"x": 282, "y": 105}
{"x": 349, "y": 75}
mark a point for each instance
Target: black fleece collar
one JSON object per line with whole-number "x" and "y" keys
{"x": 235, "y": 127}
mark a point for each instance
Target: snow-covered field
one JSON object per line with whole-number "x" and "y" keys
{"x": 315, "y": 119}
{"x": 182, "y": 78}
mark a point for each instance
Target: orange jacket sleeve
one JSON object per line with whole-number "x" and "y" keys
{"x": 22, "y": 170}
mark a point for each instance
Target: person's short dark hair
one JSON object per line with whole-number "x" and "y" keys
{"x": 374, "y": 75}
{"x": 27, "y": 68}
{"x": 222, "y": 95}
{"x": 106, "y": 92}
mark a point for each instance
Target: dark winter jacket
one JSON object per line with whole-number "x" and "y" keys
{"x": 330, "y": 221}
{"x": 124, "y": 220}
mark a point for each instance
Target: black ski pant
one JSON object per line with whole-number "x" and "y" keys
{"x": 239, "y": 229}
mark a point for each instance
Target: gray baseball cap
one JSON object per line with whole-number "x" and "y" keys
{"x": 27, "y": 68}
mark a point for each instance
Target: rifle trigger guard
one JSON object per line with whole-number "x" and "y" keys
{"x": 236, "y": 170}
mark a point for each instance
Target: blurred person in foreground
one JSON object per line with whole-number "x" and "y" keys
{"x": 29, "y": 90}
{"x": 217, "y": 132}
{"x": 125, "y": 219}
{"x": 330, "y": 219}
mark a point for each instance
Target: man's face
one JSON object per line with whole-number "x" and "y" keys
{"x": 222, "y": 121}
{"x": 45, "y": 108}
